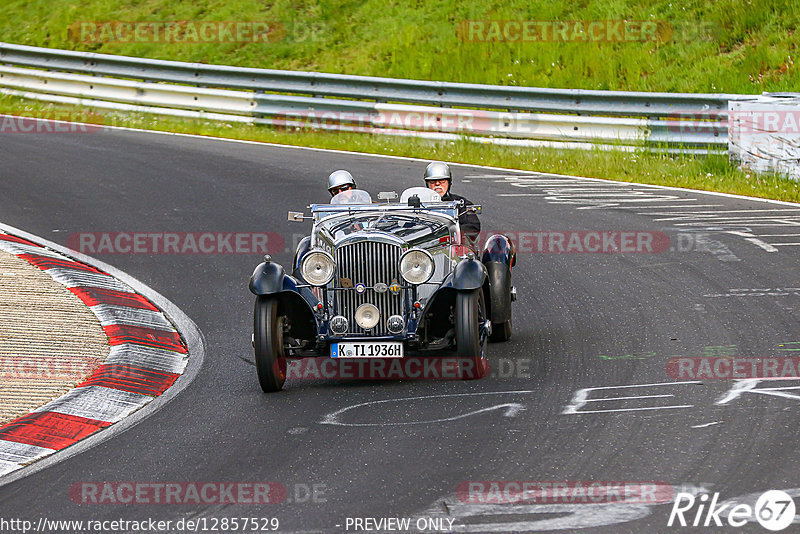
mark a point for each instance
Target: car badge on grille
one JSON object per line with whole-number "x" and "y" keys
{"x": 380, "y": 287}
{"x": 346, "y": 283}
{"x": 395, "y": 288}
{"x": 360, "y": 288}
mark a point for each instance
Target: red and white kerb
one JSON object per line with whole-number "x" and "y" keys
{"x": 147, "y": 355}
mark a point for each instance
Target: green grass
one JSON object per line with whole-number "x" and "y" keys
{"x": 717, "y": 46}
{"x": 710, "y": 173}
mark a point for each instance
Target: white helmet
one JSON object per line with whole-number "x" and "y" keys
{"x": 438, "y": 170}
{"x": 338, "y": 179}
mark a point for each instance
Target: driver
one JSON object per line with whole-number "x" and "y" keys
{"x": 339, "y": 181}
{"x": 439, "y": 177}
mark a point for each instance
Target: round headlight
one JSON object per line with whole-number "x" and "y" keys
{"x": 317, "y": 268}
{"x": 395, "y": 324}
{"x": 367, "y": 316}
{"x": 339, "y": 324}
{"x": 416, "y": 266}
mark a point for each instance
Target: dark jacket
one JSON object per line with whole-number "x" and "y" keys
{"x": 469, "y": 222}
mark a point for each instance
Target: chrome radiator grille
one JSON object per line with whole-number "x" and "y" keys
{"x": 368, "y": 263}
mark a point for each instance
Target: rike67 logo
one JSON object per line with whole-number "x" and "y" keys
{"x": 774, "y": 510}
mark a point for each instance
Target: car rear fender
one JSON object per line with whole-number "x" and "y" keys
{"x": 499, "y": 248}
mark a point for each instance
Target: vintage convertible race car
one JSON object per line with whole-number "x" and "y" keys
{"x": 383, "y": 280}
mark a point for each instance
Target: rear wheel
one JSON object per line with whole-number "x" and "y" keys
{"x": 501, "y": 331}
{"x": 469, "y": 345}
{"x": 268, "y": 344}
{"x": 500, "y": 291}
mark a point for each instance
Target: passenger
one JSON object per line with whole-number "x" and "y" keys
{"x": 439, "y": 177}
{"x": 339, "y": 181}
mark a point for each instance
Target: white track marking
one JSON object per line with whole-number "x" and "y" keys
{"x": 707, "y": 424}
{"x": 629, "y": 398}
{"x": 714, "y": 212}
{"x": 495, "y": 176}
{"x": 740, "y": 387}
{"x": 674, "y": 207}
{"x": 704, "y": 218}
{"x": 671, "y": 407}
{"x": 733, "y": 220}
{"x": 581, "y": 398}
{"x": 511, "y": 409}
{"x": 762, "y": 244}
{"x": 589, "y": 195}
{"x": 649, "y": 385}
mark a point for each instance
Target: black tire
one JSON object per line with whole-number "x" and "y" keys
{"x": 501, "y": 332}
{"x": 268, "y": 344}
{"x": 469, "y": 348}
{"x": 500, "y": 290}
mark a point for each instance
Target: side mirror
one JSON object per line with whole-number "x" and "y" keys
{"x": 297, "y": 216}
{"x": 475, "y": 208}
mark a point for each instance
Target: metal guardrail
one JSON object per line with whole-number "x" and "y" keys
{"x": 379, "y": 105}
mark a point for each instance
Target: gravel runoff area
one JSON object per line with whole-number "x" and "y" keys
{"x": 49, "y": 339}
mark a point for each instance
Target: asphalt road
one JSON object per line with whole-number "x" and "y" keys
{"x": 583, "y": 320}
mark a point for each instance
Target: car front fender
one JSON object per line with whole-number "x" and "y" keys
{"x": 268, "y": 278}
{"x": 297, "y": 304}
{"x": 469, "y": 274}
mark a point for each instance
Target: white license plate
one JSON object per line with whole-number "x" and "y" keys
{"x": 367, "y": 349}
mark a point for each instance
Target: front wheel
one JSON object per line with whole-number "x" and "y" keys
{"x": 268, "y": 344}
{"x": 469, "y": 345}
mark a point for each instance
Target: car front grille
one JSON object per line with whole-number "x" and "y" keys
{"x": 368, "y": 263}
